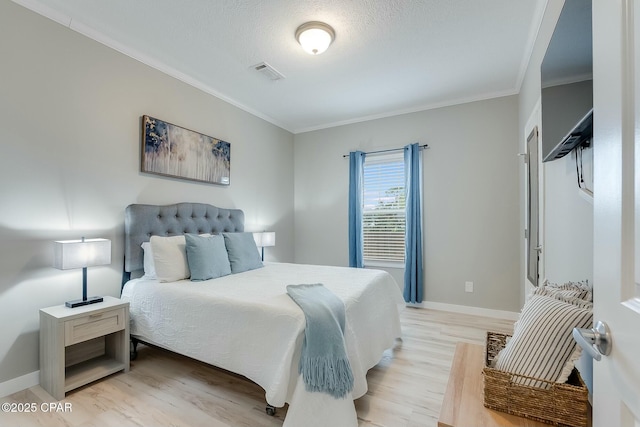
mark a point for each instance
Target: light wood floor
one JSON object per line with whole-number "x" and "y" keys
{"x": 163, "y": 389}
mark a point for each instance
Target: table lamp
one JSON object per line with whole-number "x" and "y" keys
{"x": 264, "y": 238}
{"x": 82, "y": 253}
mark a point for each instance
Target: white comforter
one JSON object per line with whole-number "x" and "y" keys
{"x": 246, "y": 323}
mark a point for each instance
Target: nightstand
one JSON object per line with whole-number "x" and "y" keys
{"x": 80, "y": 345}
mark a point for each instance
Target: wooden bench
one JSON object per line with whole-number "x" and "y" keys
{"x": 463, "y": 401}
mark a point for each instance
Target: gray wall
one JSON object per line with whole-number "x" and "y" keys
{"x": 70, "y": 119}
{"x": 470, "y": 197}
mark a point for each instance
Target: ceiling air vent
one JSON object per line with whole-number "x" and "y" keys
{"x": 268, "y": 71}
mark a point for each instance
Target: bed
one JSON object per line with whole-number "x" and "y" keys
{"x": 246, "y": 323}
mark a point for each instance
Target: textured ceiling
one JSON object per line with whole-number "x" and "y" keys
{"x": 389, "y": 56}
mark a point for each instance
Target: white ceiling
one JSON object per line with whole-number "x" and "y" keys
{"x": 389, "y": 56}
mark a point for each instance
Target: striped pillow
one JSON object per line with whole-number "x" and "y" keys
{"x": 581, "y": 290}
{"x": 579, "y": 298}
{"x": 542, "y": 343}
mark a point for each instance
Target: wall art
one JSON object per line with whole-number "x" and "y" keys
{"x": 174, "y": 151}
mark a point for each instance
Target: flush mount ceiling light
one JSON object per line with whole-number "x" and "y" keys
{"x": 315, "y": 37}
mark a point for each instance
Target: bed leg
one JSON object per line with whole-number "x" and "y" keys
{"x": 271, "y": 410}
{"x": 134, "y": 349}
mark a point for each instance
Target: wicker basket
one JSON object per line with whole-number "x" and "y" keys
{"x": 558, "y": 404}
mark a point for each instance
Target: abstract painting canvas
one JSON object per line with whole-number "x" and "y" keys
{"x": 172, "y": 150}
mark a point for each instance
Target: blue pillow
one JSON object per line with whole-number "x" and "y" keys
{"x": 243, "y": 252}
{"x": 207, "y": 257}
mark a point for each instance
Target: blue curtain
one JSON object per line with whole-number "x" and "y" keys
{"x": 356, "y": 162}
{"x": 413, "y": 273}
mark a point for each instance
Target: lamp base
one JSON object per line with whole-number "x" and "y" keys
{"x": 81, "y": 302}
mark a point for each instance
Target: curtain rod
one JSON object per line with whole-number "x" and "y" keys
{"x": 390, "y": 149}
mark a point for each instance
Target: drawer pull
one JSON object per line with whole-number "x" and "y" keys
{"x": 95, "y": 316}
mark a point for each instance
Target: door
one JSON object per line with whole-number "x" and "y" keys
{"x": 616, "y": 84}
{"x": 533, "y": 211}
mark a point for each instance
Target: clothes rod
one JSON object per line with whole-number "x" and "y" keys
{"x": 390, "y": 149}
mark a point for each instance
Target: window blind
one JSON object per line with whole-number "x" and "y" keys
{"x": 383, "y": 213}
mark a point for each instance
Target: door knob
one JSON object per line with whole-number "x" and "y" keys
{"x": 595, "y": 341}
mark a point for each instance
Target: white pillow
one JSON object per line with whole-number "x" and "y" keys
{"x": 542, "y": 344}
{"x": 149, "y": 266}
{"x": 170, "y": 258}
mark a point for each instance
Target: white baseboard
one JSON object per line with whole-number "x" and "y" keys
{"x": 19, "y": 384}
{"x": 465, "y": 309}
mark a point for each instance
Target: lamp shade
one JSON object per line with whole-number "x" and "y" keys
{"x": 69, "y": 254}
{"x": 265, "y": 238}
{"x": 315, "y": 37}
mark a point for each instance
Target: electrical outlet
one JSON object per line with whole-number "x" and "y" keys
{"x": 468, "y": 286}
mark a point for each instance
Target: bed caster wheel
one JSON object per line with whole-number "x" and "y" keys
{"x": 271, "y": 410}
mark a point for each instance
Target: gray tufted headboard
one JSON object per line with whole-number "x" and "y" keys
{"x": 143, "y": 221}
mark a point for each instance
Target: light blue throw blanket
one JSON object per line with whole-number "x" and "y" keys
{"x": 324, "y": 364}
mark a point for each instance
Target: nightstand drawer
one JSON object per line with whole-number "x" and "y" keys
{"x": 93, "y": 325}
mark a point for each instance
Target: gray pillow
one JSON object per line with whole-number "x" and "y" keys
{"x": 243, "y": 252}
{"x": 207, "y": 257}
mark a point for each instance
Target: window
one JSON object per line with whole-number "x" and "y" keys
{"x": 383, "y": 213}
